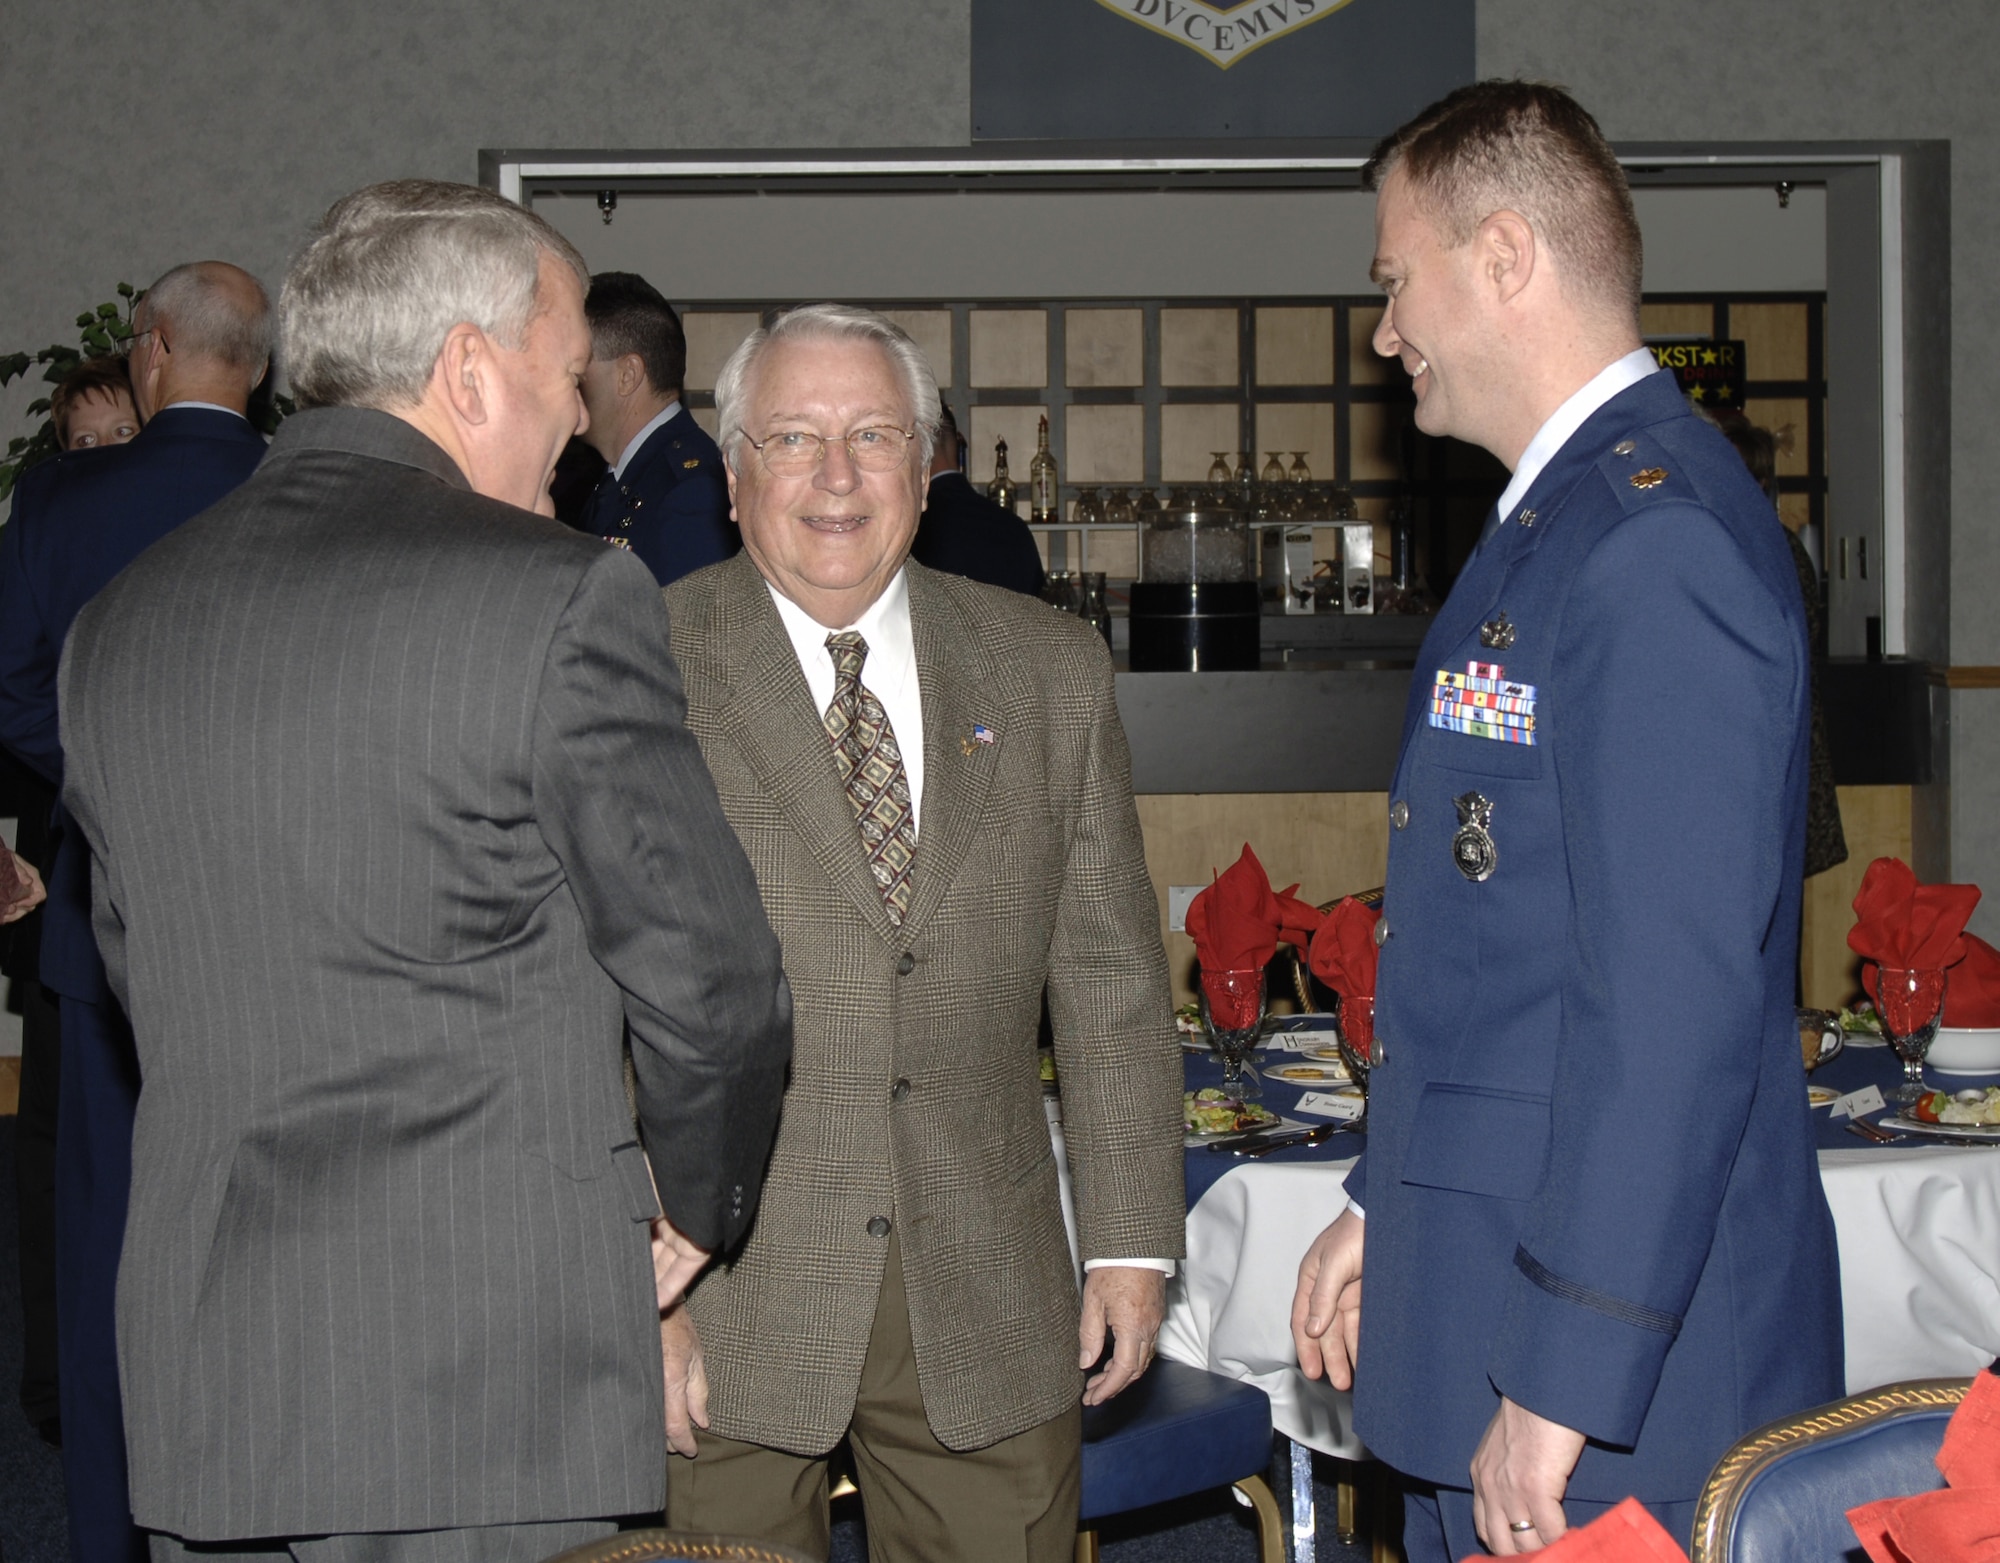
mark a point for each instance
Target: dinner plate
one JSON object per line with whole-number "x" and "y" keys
{"x": 1328, "y": 1054}
{"x": 1308, "y": 1074}
{"x": 1975, "y": 1133}
{"x": 1190, "y": 1138}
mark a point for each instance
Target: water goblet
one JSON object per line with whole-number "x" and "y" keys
{"x": 1354, "y": 1035}
{"x": 1910, "y": 1004}
{"x": 1232, "y": 1019}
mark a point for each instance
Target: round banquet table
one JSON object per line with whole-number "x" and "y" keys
{"x": 1918, "y": 1224}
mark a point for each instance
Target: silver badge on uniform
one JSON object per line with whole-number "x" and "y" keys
{"x": 1472, "y": 848}
{"x": 1497, "y": 634}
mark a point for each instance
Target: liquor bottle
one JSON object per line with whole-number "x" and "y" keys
{"x": 1001, "y": 490}
{"x": 1044, "y": 494}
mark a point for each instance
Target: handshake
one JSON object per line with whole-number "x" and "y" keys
{"x": 20, "y": 887}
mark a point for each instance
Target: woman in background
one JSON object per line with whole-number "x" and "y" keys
{"x": 92, "y": 406}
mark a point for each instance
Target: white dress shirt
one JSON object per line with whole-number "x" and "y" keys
{"x": 1571, "y": 416}
{"x": 658, "y": 421}
{"x": 208, "y": 407}
{"x": 890, "y": 673}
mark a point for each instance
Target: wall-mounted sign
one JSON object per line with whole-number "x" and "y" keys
{"x": 1119, "y": 69}
{"x": 1224, "y": 34}
{"x": 1710, "y": 373}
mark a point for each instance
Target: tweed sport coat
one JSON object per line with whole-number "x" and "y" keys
{"x": 1029, "y": 872}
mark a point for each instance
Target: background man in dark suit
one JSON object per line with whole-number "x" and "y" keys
{"x": 397, "y": 828}
{"x": 1597, "y": 1247}
{"x": 201, "y": 343}
{"x": 934, "y": 790}
{"x": 965, "y": 533}
{"x": 662, "y": 494}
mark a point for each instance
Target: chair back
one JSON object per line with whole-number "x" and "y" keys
{"x": 674, "y": 1546}
{"x": 1781, "y": 1495}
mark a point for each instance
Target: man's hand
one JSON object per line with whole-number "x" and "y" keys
{"x": 1519, "y": 1472}
{"x": 28, "y": 893}
{"x": 1326, "y": 1308}
{"x": 676, "y": 1262}
{"x": 1131, "y": 1301}
{"x": 687, "y": 1379}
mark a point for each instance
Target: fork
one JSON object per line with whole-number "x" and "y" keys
{"x": 1872, "y": 1132}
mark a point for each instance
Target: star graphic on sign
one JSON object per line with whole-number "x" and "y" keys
{"x": 1722, "y": 391}
{"x": 1696, "y": 393}
{"x": 1708, "y": 355}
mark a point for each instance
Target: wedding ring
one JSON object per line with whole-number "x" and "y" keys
{"x": 1520, "y": 1527}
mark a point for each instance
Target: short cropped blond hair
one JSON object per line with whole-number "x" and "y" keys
{"x": 1527, "y": 147}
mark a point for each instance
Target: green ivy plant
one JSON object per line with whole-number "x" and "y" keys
{"x": 102, "y": 331}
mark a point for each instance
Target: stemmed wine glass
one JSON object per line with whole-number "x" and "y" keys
{"x": 1910, "y": 1004}
{"x": 1232, "y": 1018}
{"x": 1354, "y": 1035}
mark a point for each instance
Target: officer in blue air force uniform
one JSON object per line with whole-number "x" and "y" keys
{"x": 663, "y": 495}
{"x": 1597, "y": 1251}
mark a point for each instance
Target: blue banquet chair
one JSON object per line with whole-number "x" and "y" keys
{"x": 1179, "y": 1430}
{"x": 1781, "y": 1495}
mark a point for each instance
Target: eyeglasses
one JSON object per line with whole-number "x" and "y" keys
{"x": 125, "y": 347}
{"x": 795, "y": 452}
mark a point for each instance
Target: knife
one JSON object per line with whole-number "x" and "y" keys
{"x": 1309, "y": 1137}
{"x": 1250, "y": 1136}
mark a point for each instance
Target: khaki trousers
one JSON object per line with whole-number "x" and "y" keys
{"x": 1012, "y": 1502}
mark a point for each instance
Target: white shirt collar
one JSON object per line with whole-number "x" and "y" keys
{"x": 659, "y": 420}
{"x": 204, "y": 407}
{"x": 890, "y": 672}
{"x": 1571, "y": 416}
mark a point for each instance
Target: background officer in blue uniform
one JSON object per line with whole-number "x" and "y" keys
{"x": 201, "y": 343}
{"x": 1597, "y": 1248}
{"x": 663, "y": 495}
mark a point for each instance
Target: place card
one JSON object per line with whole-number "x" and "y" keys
{"x": 1858, "y": 1104}
{"x": 1331, "y": 1104}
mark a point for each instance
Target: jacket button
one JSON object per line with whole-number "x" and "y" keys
{"x": 1381, "y": 932}
{"x": 906, "y": 964}
{"x": 900, "y": 1091}
{"x": 1399, "y": 814}
{"x": 1378, "y": 1055}
{"x": 878, "y": 1226}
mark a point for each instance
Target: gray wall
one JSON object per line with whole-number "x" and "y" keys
{"x": 138, "y": 136}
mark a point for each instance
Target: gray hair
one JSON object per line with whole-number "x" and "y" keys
{"x": 828, "y": 323}
{"x": 217, "y": 311}
{"x": 391, "y": 269}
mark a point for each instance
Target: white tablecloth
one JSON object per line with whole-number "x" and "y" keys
{"x": 1919, "y": 1233}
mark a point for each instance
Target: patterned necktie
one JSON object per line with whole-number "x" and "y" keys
{"x": 871, "y": 768}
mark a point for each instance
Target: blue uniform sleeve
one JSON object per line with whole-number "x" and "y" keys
{"x": 689, "y": 527}
{"x": 1682, "y": 698}
{"x": 28, "y": 657}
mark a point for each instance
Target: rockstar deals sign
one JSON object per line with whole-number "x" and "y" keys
{"x": 1224, "y": 34}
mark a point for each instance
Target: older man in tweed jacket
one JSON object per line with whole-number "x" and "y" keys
{"x": 933, "y": 788}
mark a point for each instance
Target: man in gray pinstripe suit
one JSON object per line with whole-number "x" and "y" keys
{"x": 397, "y": 827}
{"x": 932, "y": 784}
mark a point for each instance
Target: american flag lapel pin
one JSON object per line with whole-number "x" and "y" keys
{"x": 981, "y": 734}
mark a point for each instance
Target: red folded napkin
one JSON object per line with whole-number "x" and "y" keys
{"x": 1960, "y": 1524}
{"x": 1234, "y": 922}
{"x": 1343, "y": 956}
{"x": 1904, "y": 926}
{"x": 1973, "y": 998}
{"x": 1625, "y": 1534}
{"x": 1298, "y": 920}
{"x": 1343, "y": 952}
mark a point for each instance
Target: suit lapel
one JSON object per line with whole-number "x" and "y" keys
{"x": 767, "y": 712}
{"x": 956, "y": 682}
